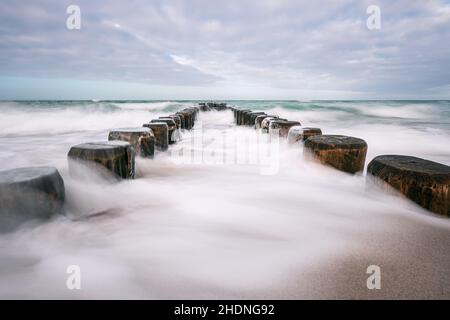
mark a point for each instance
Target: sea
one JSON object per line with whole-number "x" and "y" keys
{"x": 207, "y": 220}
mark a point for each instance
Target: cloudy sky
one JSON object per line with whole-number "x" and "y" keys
{"x": 245, "y": 49}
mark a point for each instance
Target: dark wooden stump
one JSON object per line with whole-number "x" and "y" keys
{"x": 259, "y": 119}
{"x": 116, "y": 156}
{"x": 141, "y": 138}
{"x": 344, "y": 153}
{"x": 171, "y": 128}
{"x": 29, "y": 194}
{"x": 282, "y": 126}
{"x": 244, "y": 117}
{"x": 235, "y": 114}
{"x": 251, "y": 118}
{"x": 194, "y": 112}
{"x": 425, "y": 182}
{"x": 204, "y": 107}
{"x": 265, "y": 124}
{"x": 175, "y": 118}
{"x": 182, "y": 122}
{"x": 240, "y": 116}
{"x": 300, "y": 134}
{"x": 187, "y": 119}
{"x": 161, "y": 131}
{"x": 219, "y": 106}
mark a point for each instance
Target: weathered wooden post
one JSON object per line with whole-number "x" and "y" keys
{"x": 32, "y": 193}
{"x": 244, "y": 117}
{"x": 251, "y": 118}
{"x": 171, "y": 128}
{"x": 188, "y": 119}
{"x": 204, "y": 107}
{"x": 161, "y": 132}
{"x": 425, "y": 182}
{"x": 240, "y": 116}
{"x": 265, "y": 124}
{"x": 141, "y": 138}
{"x": 282, "y": 126}
{"x": 182, "y": 122}
{"x": 116, "y": 156}
{"x": 341, "y": 152}
{"x": 175, "y": 118}
{"x": 259, "y": 119}
{"x": 298, "y": 134}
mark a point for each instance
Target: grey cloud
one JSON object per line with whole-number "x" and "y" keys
{"x": 291, "y": 45}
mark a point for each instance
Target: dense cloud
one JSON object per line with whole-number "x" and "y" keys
{"x": 246, "y": 48}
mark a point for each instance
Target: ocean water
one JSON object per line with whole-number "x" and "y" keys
{"x": 205, "y": 227}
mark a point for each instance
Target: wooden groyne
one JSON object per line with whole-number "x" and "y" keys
{"x": 425, "y": 182}
{"x": 38, "y": 192}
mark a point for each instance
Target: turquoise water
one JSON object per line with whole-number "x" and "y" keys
{"x": 435, "y": 112}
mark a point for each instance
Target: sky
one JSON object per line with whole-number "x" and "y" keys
{"x": 246, "y": 49}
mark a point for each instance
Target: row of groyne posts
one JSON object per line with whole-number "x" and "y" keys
{"x": 38, "y": 192}
{"x": 423, "y": 181}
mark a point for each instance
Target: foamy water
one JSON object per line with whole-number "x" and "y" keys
{"x": 206, "y": 229}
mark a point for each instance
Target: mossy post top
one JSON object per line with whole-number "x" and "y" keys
{"x": 411, "y": 164}
{"x": 325, "y": 142}
{"x": 102, "y": 145}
